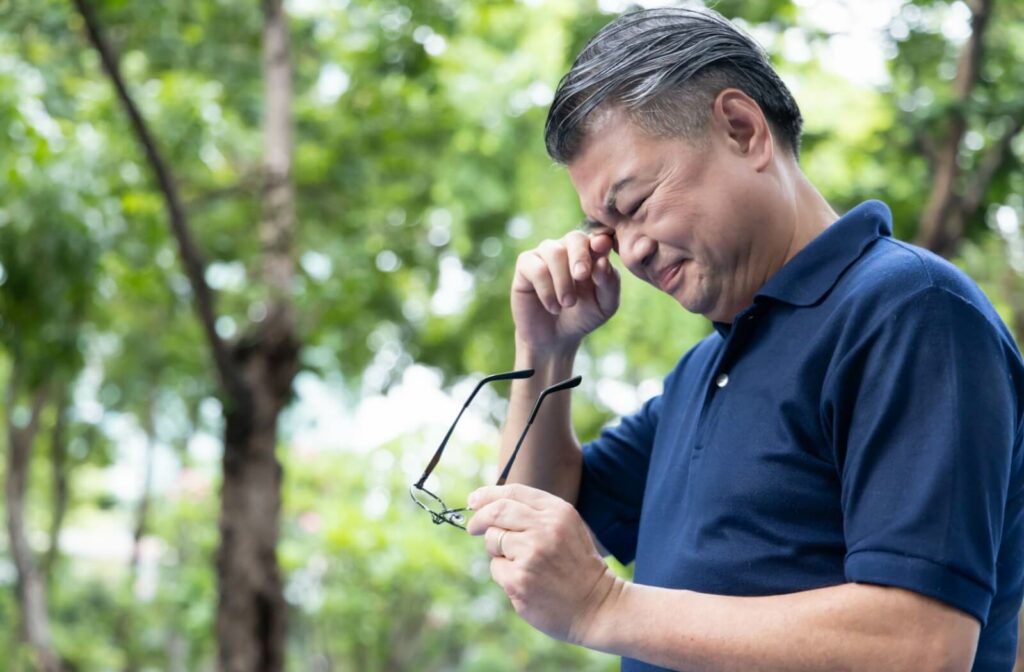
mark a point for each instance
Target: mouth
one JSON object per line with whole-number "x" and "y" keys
{"x": 667, "y": 278}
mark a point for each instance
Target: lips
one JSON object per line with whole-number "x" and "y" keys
{"x": 667, "y": 277}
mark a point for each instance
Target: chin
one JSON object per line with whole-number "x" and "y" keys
{"x": 690, "y": 305}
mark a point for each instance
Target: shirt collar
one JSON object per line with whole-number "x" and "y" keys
{"x": 815, "y": 269}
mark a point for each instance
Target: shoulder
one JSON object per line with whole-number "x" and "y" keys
{"x": 896, "y": 278}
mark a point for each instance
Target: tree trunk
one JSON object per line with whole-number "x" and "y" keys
{"x": 59, "y": 475}
{"x": 944, "y": 219}
{"x": 255, "y": 374}
{"x": 251, "y": 611}
{"x": 30, "y": 588}
{"x": 125, "y": 630}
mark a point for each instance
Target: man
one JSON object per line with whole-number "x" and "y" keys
{"x": 831, "y": 479}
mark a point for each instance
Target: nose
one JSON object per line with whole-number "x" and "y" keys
{"x": 635, "y": 249}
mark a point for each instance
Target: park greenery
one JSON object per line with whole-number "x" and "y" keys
{"x": 414, "y": 172}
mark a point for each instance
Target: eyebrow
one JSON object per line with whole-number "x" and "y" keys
{"x": 613, "y": 193}
{"x": 609, "y": 202}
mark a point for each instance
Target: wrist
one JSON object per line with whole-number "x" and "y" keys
{"x": 602, "y": 619}
{"x": 554, "y": 358}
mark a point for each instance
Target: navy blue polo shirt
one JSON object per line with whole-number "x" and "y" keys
{"x": 859, "y": 422}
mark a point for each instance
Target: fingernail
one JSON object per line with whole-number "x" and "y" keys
{"x": 580, "y": 269}
{"x": 471, "y": 502}
{"x": 555, "y": 309}
{"x": 569, "y": 300}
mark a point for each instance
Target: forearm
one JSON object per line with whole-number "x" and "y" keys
{"x": 550, "y": 457}
{"x": 849, "y": 626}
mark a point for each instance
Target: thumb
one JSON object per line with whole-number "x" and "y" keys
{"x": 607, "y": 285}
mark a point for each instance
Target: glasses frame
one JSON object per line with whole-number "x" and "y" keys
{"x": 456, "y": 516}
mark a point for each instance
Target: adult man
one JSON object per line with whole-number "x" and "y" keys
{"x": 832, "y": 479}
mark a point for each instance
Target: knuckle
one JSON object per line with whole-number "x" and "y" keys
{"x": 552, "y": 248}
{"x": 513, "y": 590}
{"x": 521, "y": 582}
{"x": 527, "y": 260}
{"x": 575, "y": 238}
{"x": 500, "y": 509}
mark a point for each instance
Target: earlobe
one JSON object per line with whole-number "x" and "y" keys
{"x": 746, "y": 126}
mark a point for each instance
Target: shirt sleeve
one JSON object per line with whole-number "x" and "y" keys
{"x": 613, "y": 480}
{"x": 923, "y": 408}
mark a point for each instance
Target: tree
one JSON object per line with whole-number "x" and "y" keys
{"x": 959, "y": 189}
{"x": 255, "y": 372}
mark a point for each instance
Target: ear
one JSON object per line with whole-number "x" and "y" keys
{"x": 744, "y": 127}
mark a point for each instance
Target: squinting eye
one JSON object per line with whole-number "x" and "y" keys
{"x": 636, "y": 208}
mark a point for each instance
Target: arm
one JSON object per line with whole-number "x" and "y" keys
{"x": 562, "y": 290}
{"x": 850, "y": 626}
{"x": 557, "y": 582}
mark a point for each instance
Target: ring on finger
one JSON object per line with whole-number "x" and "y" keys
{"x": 501, "y": 537}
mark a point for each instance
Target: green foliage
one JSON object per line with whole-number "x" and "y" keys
{"x": 420, "y": 175}
{"x": 377, "y": 586}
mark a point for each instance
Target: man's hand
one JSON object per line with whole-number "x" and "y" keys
{"x": 546, "y": 560}
{"x": 563, "y": 290}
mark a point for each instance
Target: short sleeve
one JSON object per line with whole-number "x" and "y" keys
{"x": 923, "y": 409}
{"x": 613, "y": 480}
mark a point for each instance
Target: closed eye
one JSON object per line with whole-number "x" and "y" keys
{"x": 631, "y": 212}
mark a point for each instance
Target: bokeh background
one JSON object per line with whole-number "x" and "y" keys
{"x": 192, "y": 294}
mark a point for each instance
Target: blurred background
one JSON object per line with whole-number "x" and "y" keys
{"x": 254, "y": 256}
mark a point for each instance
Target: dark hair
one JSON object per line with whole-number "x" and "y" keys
{"x": 664, "y": 67}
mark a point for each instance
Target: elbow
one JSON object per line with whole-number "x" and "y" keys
{"x": 943, "y": 654}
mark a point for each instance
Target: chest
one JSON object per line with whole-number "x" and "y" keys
{"x": 742, "y": 479}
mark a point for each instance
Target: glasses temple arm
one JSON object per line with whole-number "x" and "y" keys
{"x": 557, "y": 387}
{"x": 511, "y": 375}
{"x": 444, "y": 442}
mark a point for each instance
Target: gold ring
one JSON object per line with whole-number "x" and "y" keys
{"x": 501, "y": 551}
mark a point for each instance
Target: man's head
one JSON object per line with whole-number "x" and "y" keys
{"x": 664, "y": 67}
{"x": 669, "y": 123}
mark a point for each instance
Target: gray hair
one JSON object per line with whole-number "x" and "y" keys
{"x": 664, "y": 67}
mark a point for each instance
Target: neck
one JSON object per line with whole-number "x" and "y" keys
{"x": 801, "y": 214}
{"x": 810, "y": 214}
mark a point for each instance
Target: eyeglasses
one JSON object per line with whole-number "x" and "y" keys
{"x": 431, "y": 503}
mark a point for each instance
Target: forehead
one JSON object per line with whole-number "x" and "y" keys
{"x": 613, "y": 149}
{"x": 609, "y": 135}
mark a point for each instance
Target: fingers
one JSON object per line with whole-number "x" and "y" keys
{"x": 533, "y": 497}
{"x": 555, "y": 267}
{"x": 606, "y": 286}
{"x": 499, "y": 542}
{"x": 578, "y": 250}
{"x": 503, "y": 573}
{"x": 602, "y": 244}
{"x": 556, "y": 258}
{"x": 504, "y": 513}
{"x": 534, "y": 270}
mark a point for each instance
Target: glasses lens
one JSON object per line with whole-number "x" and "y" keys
{"x": 427, "y": 500}
{"x": 433, "y": 505}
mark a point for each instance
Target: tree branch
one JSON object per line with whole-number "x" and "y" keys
{"x": 190, "y": 255}
{"x": 247, "y": 186}
{"x": 941, "y": 222}
{"x": 990, "y": 165}
{"x": 926, "y": 144}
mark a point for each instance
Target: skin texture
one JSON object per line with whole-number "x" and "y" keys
{"x": 707, "y": 222}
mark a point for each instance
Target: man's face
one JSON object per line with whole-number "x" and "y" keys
{"x": 683, "y": 217}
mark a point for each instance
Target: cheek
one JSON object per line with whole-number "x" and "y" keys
{"x": 674, "y": 219}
